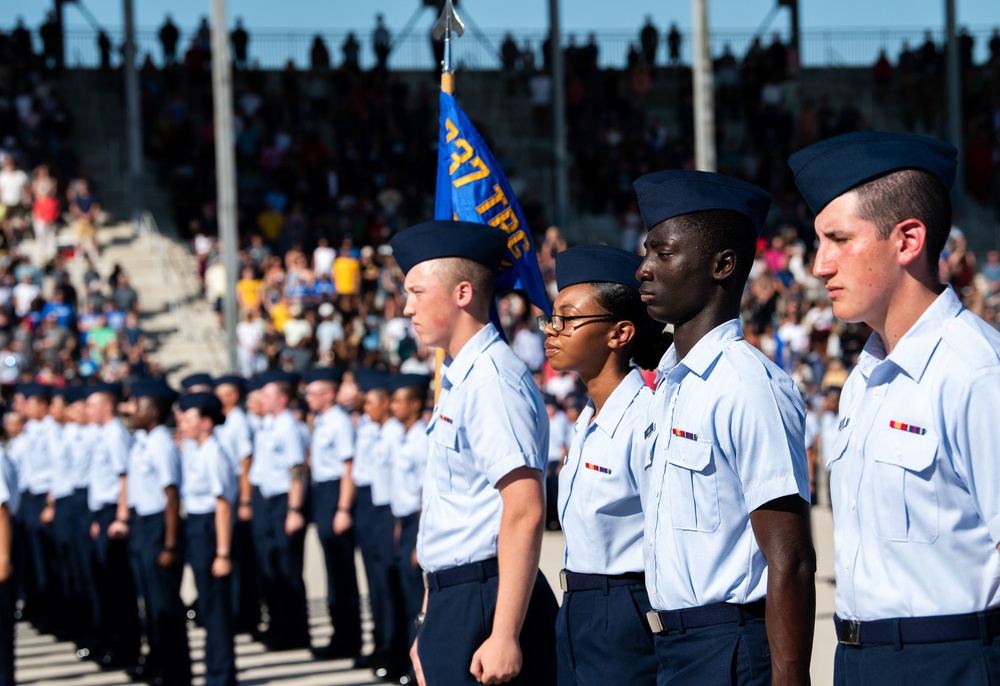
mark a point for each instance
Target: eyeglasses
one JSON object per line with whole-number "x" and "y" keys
{"x": 558, "y": 322}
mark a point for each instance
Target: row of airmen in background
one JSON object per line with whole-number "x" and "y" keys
{"x": 92, "y": 521}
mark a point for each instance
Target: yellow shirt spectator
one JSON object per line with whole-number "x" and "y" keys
{"x": 280, "y": 315}
{"x": 347, "y": 274}
{"x": 249, "y": 293}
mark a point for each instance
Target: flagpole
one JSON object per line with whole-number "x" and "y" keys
{"x": 447, "y": 24}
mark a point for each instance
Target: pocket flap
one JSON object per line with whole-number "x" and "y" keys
{"x": 688, "y": 454}
{"x": 839, "y": 447}
{"x": 443, "y": 433}
{"x": 912, "y": 452}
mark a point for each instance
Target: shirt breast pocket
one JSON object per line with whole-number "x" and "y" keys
{"x": 451, "y": 470}
{"x": 694, "y": 493}
{"x": 904, "y": 492}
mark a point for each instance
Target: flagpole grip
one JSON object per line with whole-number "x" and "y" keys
{"x": 448, "y": 83}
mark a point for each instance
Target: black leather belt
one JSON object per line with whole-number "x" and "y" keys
{"x": 936, "y": 629}
{"x": 572, "y": 581}
{"x": 463, "y": 574}
{"x": 662, "y": 621}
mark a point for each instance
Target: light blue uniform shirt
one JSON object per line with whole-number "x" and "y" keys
{"x": 599, "y": 486}
{"x": 109, "y": 457}
{"x": 64, "y": 444}
{"x": 408, "y": 467}
{"x": 390, "y": 437}
{"x": 83, "y": 454}
{"x": 235, "y": 435}
{"x": 915, "y": 474}
{"x": 207, "y": 474}
{"x": 490, "y": 421}
{"x": 560, "y": 435}
{"x": 277, "y": 447}
{"x": 9, "y": 493}
{"x": 332, "y": 444}
{"x": 153, "y": 465}
{"x": 365, "y": 442}
{"x": 38, "y": 455}
{"x": 724, "y": 436}
{"x": 17, "y": 451}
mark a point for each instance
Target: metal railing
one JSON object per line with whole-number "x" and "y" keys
{"x": 275, "y": 48}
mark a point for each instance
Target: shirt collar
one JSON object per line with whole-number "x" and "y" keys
{"x": 913, "y": 351}
{"x": 705, "y": 352}
{"x": 618, "y": 402}
{"x": 456, "y": 369}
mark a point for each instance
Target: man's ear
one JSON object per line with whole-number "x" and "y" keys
{"x": 724, "y": 265}
{"x": 912, "y": 236}
{"x": 464, "y": 294}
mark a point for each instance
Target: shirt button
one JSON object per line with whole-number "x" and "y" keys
{"x": 652, "y": 589}
{"x": 854, "y": 505}
{"x": 847, "y": 565}
{"x": 877, "y": 392}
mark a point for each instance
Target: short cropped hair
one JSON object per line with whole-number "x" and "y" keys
{"x": 908, "y": 194}
{"x": 718, "y": 230}
{"x": 454, "y": 270}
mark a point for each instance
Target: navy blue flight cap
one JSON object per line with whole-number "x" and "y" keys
{"x": 32, "y": 390}
{"x": 371, "y": 379}
{"x": 199, "y": 379}
{"x": 230, "y": 380}
{"x": 667, "y": 194}
{"x": 152, "y": 388}
{"x": 200, "y": 400}
{"x": 409, "y": 381}
{"x": 278, "y": 376}
{"x": 432, "y": 240}
{"x": 830, "y": 168}
{"x": 112, "y": 389}
{"x": 590, "y": 263}
{"x": 331, "y": 374}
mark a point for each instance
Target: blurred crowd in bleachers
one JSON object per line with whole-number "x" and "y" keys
{"x": 60, "y": 317}
{"x": 333, "y": 159}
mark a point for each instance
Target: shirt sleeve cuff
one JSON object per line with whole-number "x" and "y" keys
{"x": 499, "y": 467}
{"x": 764, "y": 492}
{"x": 994, "y": 526}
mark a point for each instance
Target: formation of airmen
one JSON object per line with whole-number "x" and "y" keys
{"x": 685, "y": 507}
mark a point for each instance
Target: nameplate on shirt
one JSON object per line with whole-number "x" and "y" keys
{"x": 446, "y": 419}
{"x": 684, "y": 434}
{"x": 597, "y": 468}
{"x": 649, "y": 430}
{"x": 909, "y": 428}
{"x": 843, "y": 423}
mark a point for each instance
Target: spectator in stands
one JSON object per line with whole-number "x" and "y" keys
{"x": 45, "y": 213}
{"x": 169, "y": 35}
{"x": 85, "y": 210}
{"x": 124, "y": 296}
{"x": 347, "y": 269}
{"x": 351, "y": 50}
{"x": 674, "y": 45}
{"x": 319, "y": 56}
{"x": 104, "y": 48}
{"x": 381, "y": 43}
{"x": 15, "y": 196}
{"x": 509, "y": 58}
{"x": 240, "y": 40}
{"x": 649, "y": 39}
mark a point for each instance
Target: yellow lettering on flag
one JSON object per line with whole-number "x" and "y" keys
{"x": 518, "y": 242}
{"x": 482, "y": 172}
{"x": 460, "y": 158}
{"x": 500, "y": 197}
{"x": 451, "y": 129}
{"x": 506, "y": 220}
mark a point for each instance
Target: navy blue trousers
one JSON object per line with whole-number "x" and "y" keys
{"x": 602, "y": 638}
{"x": 410, "y": 578}
{"x": 118, "y": 610}
{"x": 73, "y": 551}
{"x": 214, "y": 598}
{"x": 7, "y": 601}
{"x": 390, "y": 635}
{"x": 715, "y": 655}
{"x": 280, "y": 559}
{"x": 245, "y": 585}
{"x": 46, "y": 588}
{"x": 342, "y": 596}
{"x": 362, "y": 534}
{"x": 970, "y": 663}
{"x": 160, "y": 589}
{"x": 460, "y": 618}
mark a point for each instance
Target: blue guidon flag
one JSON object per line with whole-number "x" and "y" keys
{"x": 471, "y": 187}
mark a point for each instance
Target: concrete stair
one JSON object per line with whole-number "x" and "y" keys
{"x": 181, "y": 326}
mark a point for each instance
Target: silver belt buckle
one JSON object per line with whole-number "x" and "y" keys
{"x": 427, "y": 580}
{"x": 563, "y": 581}
{"x": 853, "y": 633}
{"x": 655, "y": 623}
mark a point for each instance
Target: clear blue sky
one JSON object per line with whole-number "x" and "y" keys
{"x": 577, "y": 15}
